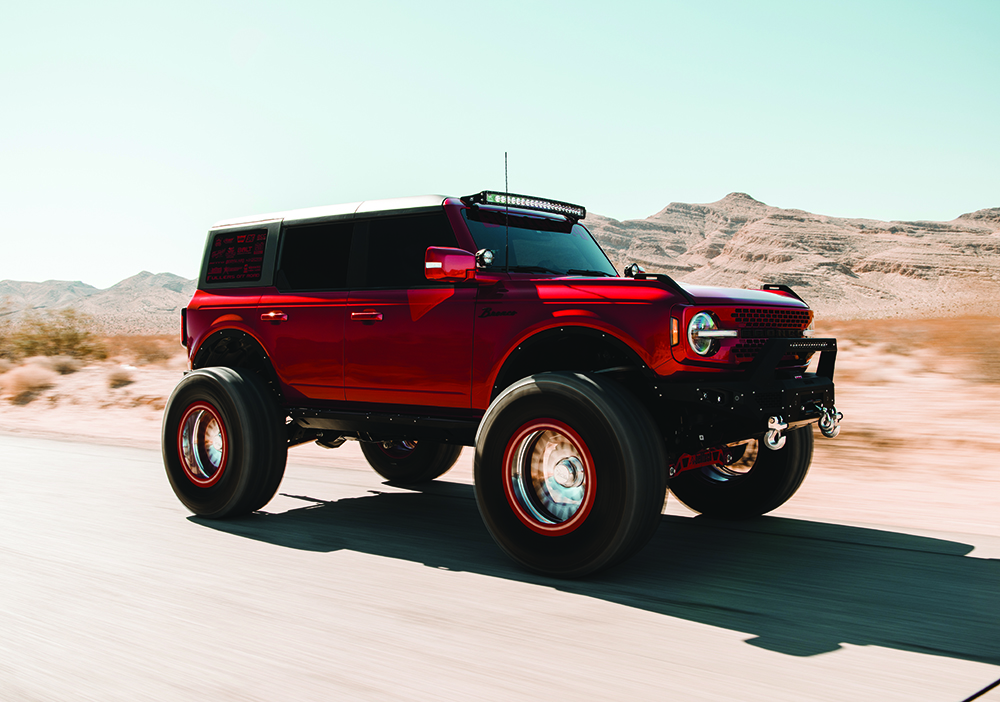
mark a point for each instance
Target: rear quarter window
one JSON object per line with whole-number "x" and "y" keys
{"x": 236, "y": 257}
{"x": 239, "y": 256}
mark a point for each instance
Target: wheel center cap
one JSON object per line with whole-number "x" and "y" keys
{"x": 569, "y": 472}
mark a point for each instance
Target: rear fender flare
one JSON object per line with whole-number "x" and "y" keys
{"x": 236, "y": 348}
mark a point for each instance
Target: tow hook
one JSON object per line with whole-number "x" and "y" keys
{"x": 774, "y": 439}
{"x": 829, "y": 421}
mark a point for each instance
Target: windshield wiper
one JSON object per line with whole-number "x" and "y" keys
{"x": 582, "y": 271}
{"x": 571, "y": 271}
{"x": 533, "y": 269}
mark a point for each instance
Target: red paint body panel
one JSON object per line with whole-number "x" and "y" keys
{"x": 419, "y": 353}
{"x": 307, "y": 348}
{"x": 633, "y": 312}
{"x": 213, "y": 310}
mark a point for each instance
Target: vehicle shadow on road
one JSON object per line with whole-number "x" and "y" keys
{"x": 797, "y": 587}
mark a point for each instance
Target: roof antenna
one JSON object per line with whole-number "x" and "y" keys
{"x": 506, "y": 218}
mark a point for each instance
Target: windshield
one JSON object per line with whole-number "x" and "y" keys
{"x": 537, "y": 244}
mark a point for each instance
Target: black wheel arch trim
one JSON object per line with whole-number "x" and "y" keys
{"x": 235, "y": 346}
{"x": 508, "y": 374}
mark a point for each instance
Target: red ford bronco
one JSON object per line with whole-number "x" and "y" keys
{"x": 421, "y": 325}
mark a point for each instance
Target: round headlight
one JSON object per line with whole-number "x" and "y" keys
{"x": 702, "y": 321}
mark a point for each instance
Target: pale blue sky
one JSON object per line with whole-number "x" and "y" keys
{"x": 126, "y": 130}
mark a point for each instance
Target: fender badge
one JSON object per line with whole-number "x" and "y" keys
{"x": 488, "y": 312}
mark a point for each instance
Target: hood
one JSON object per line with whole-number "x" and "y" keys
{"x": 709, "y": 295}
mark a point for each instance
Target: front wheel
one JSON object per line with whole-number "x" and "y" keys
{"x": 410, "y": 462}
{"x": 757, "y": 481}
{"x": 569, "y": 473}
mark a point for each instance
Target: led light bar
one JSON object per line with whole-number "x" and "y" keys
{"x": 526, "y": 202}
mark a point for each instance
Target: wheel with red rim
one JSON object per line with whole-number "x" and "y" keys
{"x": 549, "y": 478}
{"x": 569, "y": 473}
{"x": 757, "y": 481}
{"x": 407, "y": 461}
{"x": 224, "y": 446}
{"x": 202, "y": 444}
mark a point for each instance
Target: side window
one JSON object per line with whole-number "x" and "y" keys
{"x": 236, "y": 257}
{"x": 315, "y": 256}
{"x": 396, "y": 247}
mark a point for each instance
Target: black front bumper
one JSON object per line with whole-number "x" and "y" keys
{"x": 695, "y": 415}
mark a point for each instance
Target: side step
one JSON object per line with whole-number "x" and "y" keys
{"x": 380, "y": 426}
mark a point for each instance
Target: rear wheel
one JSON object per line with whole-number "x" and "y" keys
{"x": 756, "y": 482}
{"x": 409, "y": 462}
{"x": 569, "y": 473}
{"x": 224, "y": 445}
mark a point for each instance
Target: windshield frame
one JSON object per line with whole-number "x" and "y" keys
{"x": 526, "y": 227}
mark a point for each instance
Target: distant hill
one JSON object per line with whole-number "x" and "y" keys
{"x": 845, "y": 268}
{"x": 146, "y": 303}
{"x": 52, "y": 293}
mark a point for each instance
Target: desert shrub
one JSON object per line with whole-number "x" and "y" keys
{"x": 64, "y": 332}
{"x": 119, "y": 378}
{"x": 63, "y": 365}
{"x": 143, "y": 349}
{"x": 24, "y": 384}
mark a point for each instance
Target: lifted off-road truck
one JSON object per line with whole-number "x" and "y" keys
{"x": 421, "y": 325}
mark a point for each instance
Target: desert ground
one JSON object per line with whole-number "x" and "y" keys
{"x": 920, "y": 397}
{"x": 876, "y": 581}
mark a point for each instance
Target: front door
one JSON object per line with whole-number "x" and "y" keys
{"x": 408, "y": 341}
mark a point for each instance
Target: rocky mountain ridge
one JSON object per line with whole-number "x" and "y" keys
{"x": 844, "y": 267}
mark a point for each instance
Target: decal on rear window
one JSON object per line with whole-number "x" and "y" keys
{"x": 236, "y": 257}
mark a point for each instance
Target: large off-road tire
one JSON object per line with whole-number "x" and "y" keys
{"x": 759, "y": 481}
{"x": 410, "y": 462}
{"x": 570, "y": 473}
{"x": 224, "y": 442}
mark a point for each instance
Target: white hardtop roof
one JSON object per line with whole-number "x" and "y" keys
{"x": 391, "y": 204}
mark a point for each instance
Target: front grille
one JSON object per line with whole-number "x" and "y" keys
{"x": 757, "y": 325}
{"x": 747, "y": 349}
{"x": 770, "y": 318}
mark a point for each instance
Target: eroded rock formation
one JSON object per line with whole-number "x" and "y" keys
{"x": 843, "y": 267}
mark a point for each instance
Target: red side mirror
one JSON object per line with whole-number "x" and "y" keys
{"x": 449, "y": 265}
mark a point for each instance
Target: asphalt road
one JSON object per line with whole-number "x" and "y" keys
{"x": 349, "y": 589}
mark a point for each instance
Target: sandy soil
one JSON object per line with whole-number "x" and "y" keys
{"x": 917, "y": 450}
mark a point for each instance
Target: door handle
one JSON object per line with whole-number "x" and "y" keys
{"x": 274, "y": 316}
{"x": 366, "y": 316}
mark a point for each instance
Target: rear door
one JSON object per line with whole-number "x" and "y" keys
{"x": 302, "y": 316}
{"x": 409, "y": 341}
